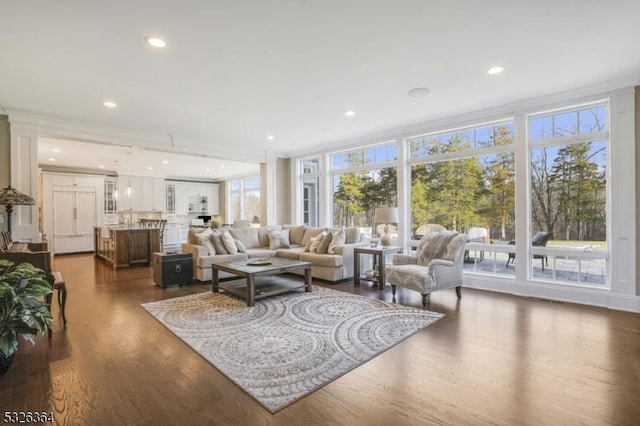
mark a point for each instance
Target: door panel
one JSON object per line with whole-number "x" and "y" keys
{"x": 63, "y": 217}
{"x": 85, "y": 213}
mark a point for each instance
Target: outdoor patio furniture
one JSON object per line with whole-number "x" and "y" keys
{"x": 540, "y": 239}
{"x": 476, "y": 234}
{"x": 423, "y": 230}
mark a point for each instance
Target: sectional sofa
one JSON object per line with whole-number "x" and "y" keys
{"x": 333, "y": 264}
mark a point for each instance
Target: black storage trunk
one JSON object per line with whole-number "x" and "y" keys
{"x": 172, "y": 269}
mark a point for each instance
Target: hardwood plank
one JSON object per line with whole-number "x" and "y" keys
{"x": 493, "y": 359}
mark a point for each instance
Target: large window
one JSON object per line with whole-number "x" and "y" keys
{"x": 244, "y": 199}
{"x": 465, "y": 179}
{"x": 362, "y": 180}
{"x": 568, "y": 177}
{"x": 462, "y": 179}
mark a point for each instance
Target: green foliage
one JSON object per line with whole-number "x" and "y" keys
{"x": 22, "y": 309}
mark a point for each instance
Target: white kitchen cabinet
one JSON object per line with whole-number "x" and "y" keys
{"x": 197, "y": 198}
{"x": 146, "y": 193}
{"x": 74, "y": 216}
{"x": 72, "y": 204}
{"x": 182, "y": 198}
{"x": 159, "y": 193}
{"x": 214, "y": 199}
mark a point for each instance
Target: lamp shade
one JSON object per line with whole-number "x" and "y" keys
{"x": 386, "y": 215}
{"x": 11, "y": 197}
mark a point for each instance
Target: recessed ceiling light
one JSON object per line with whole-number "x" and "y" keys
{"x": 208, "y": 170}
{"x": 109, "y": 104}
{"x": 101, "y": 166}
{"x": 55, "y": 150}
{"x": 271, "y": 137}
{"x": 165, "y": 162}
{"x": 495, "y": 70}
{"x": 149, "y": 168}
{"x": 222, "y": 166}
{"x": 156, "y": 42}
{"x": 52, "y": 159}
{"x": 350, "y": 113}
{"x": 419, "y": 92}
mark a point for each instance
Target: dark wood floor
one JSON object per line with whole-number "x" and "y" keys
{"x": 493, "y": 359}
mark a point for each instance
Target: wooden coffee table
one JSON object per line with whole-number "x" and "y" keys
{"x": 262, "y": 280}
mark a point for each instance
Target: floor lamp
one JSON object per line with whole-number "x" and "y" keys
{"x": 10, "y": 197}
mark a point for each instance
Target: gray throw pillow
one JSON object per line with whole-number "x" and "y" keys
{"x": 241, "y": 247}
{"x": 216, "y": 239}
{"x": 324, "y": 246}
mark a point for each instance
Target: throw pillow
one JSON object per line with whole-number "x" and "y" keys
{"x": 339, "y": 238}
{"x": 229, "y": 242}
{"x": 204, "y": 239}
{"x": 279, "y": 239}
{"x": 216, "y": 239}
{"x": 241, "y": 247}
{"x": 316, "y": 242}
{"x": 324, "y": 246}
{"x": 452, "y": 249}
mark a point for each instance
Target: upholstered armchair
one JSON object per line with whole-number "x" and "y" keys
{"x": 436, "y": 266}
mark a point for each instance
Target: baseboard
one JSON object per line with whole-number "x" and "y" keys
{"x": 559, "y": 292}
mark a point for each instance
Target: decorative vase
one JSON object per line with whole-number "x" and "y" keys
{"x": 5, "y": 362}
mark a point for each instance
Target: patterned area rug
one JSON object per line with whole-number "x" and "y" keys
{"x": 289, "y": 345}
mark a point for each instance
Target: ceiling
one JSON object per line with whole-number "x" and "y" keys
{"x": 133, "y": 161}
{"x": 234, "y": 73}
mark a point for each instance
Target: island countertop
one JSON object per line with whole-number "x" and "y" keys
{"x": 124, "y": 246}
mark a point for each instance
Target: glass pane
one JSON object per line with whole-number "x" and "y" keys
{"x": 235, "y": 206}
{"x": 541, "y": 128}
{"x": 483, "y": 137}
{"x": 311, "y": 165}
{"x": 503, "y": 134}
{"x": 234, "y": 185}
{"x": 569, "y": 205}
{"x": 311, "y": 201}
{"x": 356, "y": 195}
{"x": 592, "y": 120}
{"x": 459, "y": 194}
{"x": 358, "y": 157}
{"x": 565, "y": 124}
{"x": 252, "y": 205}
{"x": 252, "y": 183}
{"x": 423, "y": 146}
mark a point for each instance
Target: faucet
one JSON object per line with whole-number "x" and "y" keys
{"x": 130, "y": 218}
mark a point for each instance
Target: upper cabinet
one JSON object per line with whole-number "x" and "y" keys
{"x": 193, "y": 198}
{"x": 143, "y": 194}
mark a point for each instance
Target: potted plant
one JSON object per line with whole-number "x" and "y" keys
{"x": 23, "y": 309}
{"x": 214, "y": 223}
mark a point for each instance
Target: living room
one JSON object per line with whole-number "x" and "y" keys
{"x": 316, "y": 118}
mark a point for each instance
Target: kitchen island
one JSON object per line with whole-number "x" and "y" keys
{"x": 124, "y": 247}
